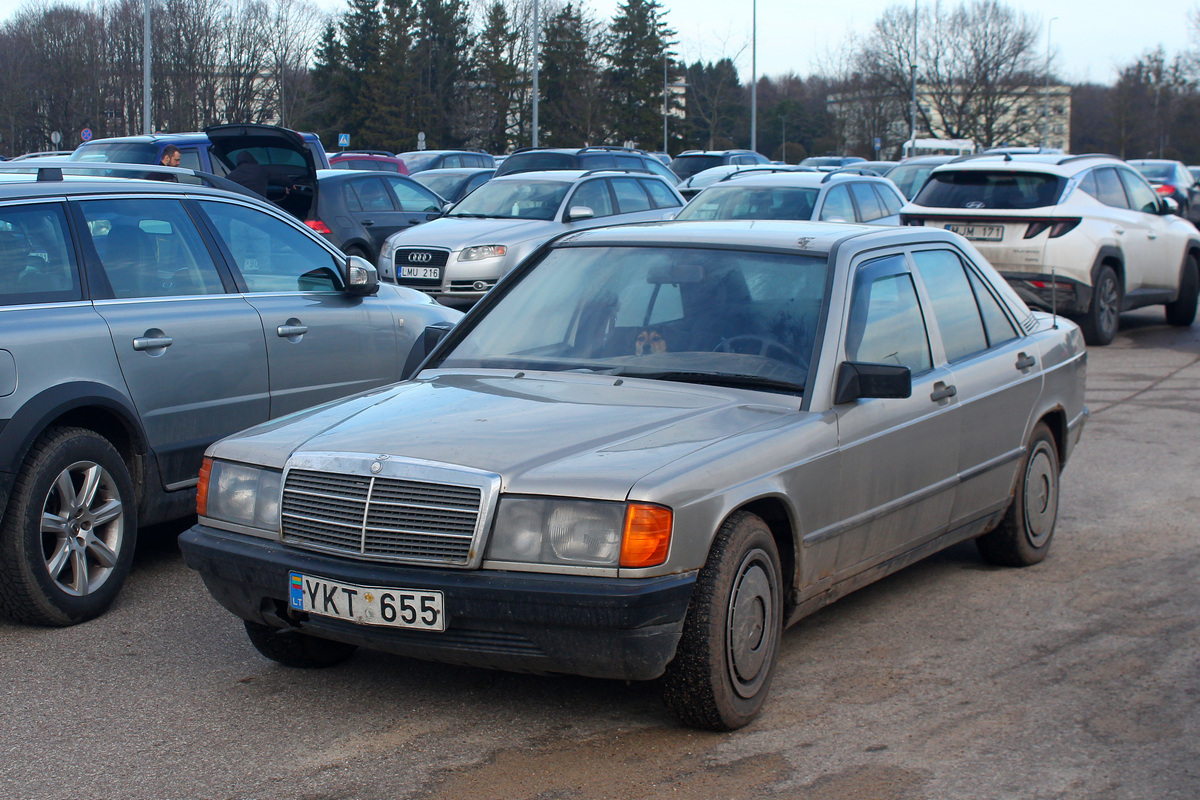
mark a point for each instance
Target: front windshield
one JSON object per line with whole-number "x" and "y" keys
{"x": 751, "y": 202}
{"x": 724, "y": 317}
{"x": 513, "y": 199}
{"x": 116, "y": 153}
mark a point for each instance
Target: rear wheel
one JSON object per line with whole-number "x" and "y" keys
{"x": 1182, "y": 312}
{"x": 1103, "y": 316}
{"x": 69, "y": 532}
{"x": 722, "y": 668}
{"x": 1024, "y": 535}
{"x": 295, "y": 649}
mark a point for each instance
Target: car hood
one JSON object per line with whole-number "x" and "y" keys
{"x": 542, "y": 433}
{"x": 456, "y": 233}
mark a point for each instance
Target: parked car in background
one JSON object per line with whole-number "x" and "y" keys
{"x": 43, "y": 154}
{"x": 830, "y": 163}
{"x": 690, "y": 162}
{"x": 1172, "y": 179}
{"x": 690, "y": 187}
{"x": 648, "y": 452}
{"x": 454, "y": 184}
{"x": 356, "y": 211}
{"x": 1085, "y": 235}
{"x": 377, "y": 161}
{"x": 911, "y": 173}
{"x": 575, "y": 158}
{"x": 880, "y": 167}
{"x": 421, "y": 160}
{"x": 459, "y": 257}
{"x": 830, "y": 196}
{"x": 141, "y": 321}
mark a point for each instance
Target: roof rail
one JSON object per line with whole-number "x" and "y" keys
{"x": 49, "y": 174}
{"x": 1081, "y": 156}
{"x": 364, "y": 153}
{"x": 765, "y": 168}
{"x": 629, "y": 170}
{"x": 607, "y": 147}
{"x": 851, "y": 171}
{"x": 973, "y": 156}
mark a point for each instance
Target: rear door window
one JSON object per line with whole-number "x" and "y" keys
{"x": 372, "y": 195}
{"x": 891, "y": 202}
{"x": 982, "y": 189}
{"x": 595, "y": 195}
{"x": 37, "y": 262}
{"x": 867, "y": 201}
{"x": 954, "y": 306}
{"x": 661, "y": 195}
{"x": 1108, "y": 189}
{"x": 1141, "y": 196}
{"x": 630, "y": 195}
{"x": 838, "y": 207}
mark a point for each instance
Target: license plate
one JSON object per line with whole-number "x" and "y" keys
{"x": 424, "y": 273}
{"x": 985, "y": 233}
{"x": 367, "y": 605}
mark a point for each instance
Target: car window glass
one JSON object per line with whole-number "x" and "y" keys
{"x": 629, "y": 162}
{"x": 1108, "y": 189}
{"x": 630, "y": 195}
{"x": 891, "y": 201}
{"x": 189, "y": 158}
{"x": 837, "y": 206}
{"x": 868, "y": 203}
{"x": 476, "y": 182}
{"x": 150, "y": 248}
{"x": 886, "y": 326}
{"x": 999, "y": 328}
{"x": 412, "y": 197}
{"x": 954, "y": 305}
{"x": 661, "y": 195}
{"x": 37, "y": 264}
{"x": 1141, "y": 196}
{"x": 272, "y": 255}
{"x": 1087, "y": 185}
{"x": 594, "y": 195}
{"x": 350, "y": 197}
{"x": 596, "y": 162}
{"x": 372, "y": 194}
{"x": 452, "y": 162}
{"x": 974, "y": 188}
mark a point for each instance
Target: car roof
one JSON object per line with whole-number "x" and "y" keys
{"x": 712, "y": 152}
{"x": 812, "y": 180}
{"x": 330, "y": 174}
{"x": 433, "y": 173}
{"x": 373, "y": 156}
{"x": 572, "y": 175}
{"x": 1049, "y": 163}
{"x": 17, "y": 186}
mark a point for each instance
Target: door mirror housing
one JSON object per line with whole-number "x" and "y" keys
{"x": 423, "y": 346}
{"x": 580, "y": 212}
{"x": 1168, "y": 205}
{"x": 360, "y": 276}
{"x": 856, "y": 380}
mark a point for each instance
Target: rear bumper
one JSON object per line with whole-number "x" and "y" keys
{"x": 1054, "y": 294}
{"x": 524, "y": 622}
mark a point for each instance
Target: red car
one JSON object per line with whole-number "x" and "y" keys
{"x": 379, "y": 160}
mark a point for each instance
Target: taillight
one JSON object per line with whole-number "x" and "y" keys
{"x": 317, "y": 225}
{"x": 1057, "y": 227}
{"x": 202, "y": 488}
{"x": 1165, "y": 188}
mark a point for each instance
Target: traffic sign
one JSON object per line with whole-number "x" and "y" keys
{"x": 343, "y": 140}
{"x": 55, "y": 137}
{"x": 421, "y": 140}
{"x": 86, "y": 134}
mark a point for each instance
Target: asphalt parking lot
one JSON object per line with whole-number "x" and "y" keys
{"x": 1076, "y": 678}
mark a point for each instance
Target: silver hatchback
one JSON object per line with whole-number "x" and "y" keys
{"x": 649, "y": 451}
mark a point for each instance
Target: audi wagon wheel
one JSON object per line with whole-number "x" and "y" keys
{"x": 723, "y": 665}
{"x": 1182, "y": 312}
{"x": 295, "y": 649}
{"x": 1024, "y": 535}
{"x": 70, "y": 530}
{"x": 1103, "y": 316}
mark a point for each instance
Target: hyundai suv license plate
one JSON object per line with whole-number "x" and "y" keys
{"x": 984, "y": 233}
{"x": 398, "y": 608}
{"x": 424, "y": 273}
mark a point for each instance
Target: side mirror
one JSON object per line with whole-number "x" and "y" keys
{"x": 580, "y": 212}
{"x": 433, "y": 215}
{"x": 423, "y": 346}
{"x": 670, "y": 215}
{"x": 360, "y": 276}
{"x": 1168, "y": 205}
{"x": 856, "y": 380}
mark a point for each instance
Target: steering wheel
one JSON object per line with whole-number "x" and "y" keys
{"x": 754, "y": 345}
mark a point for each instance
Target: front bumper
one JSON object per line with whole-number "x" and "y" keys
{"x": 1054, "y": 294}
{"x": 523, "y": 622}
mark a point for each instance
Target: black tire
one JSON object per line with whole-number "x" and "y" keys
{"x": 1102, "y": 319}
{"x": 722, "y": 668}
{"x": 72, "y": 570}
{"x": 295, "y": 649}
{"x": 1024, "y": 535}
{"x": 1182, "y": 311}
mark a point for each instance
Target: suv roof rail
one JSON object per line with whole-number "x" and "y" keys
{"x": 850, "y": 171}
{"x": 629, "y": 170}
{"x": 765, "y": 168}
{"x": 363, "y": 153}
{"x": 1081, "y": 156}
{"x": 608, "y": 147}
{"x": 973, "y": 156}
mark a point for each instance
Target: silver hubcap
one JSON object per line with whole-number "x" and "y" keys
{"x": 752, "y": 622}
{"x": 1109, "y": 302}
{"x": 1041, "y": 495}
{"x": 83, "y": 525}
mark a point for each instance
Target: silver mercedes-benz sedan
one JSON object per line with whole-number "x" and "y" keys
{"x": 648, "y": 451}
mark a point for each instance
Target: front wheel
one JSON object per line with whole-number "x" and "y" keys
{"x": 1100, "y": 322}
{"x": 69, "y": 533}
{"x": 722, "y": 668}
{"x": 1023, "y": 536}
{"x": 1182, "y": 312}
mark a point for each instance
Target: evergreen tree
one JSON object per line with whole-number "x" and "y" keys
{"x": 394, "y": 82}
{"x": 496, "y": 79}
{"x": 638, "y": 43}
{"x": 330, "y": 84}
{"x": 441, "y": 58}
{"x": 361, "y": 30}
{"x": 569, "y": 81}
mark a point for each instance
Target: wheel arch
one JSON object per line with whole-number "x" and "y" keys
{"x": 1056, "y": 421}
{"x": 1111, "y": 256}
{"x": 774, "y": 512}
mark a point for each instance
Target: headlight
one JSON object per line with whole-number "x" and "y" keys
{"x": 243, "y": 495}
{"x": 482, "y": 251}
{"x": 385, "y": 252}
{"x": 580, "y": 533}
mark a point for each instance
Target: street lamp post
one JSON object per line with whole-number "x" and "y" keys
{"x": 1046, "y": 90}
{"x": 536, "y": 35}
{"x": 913, "y": 109}
{"x": 754, "y": 76}
{"x": 146, "y": 125}
{"x": 664, "y": 101}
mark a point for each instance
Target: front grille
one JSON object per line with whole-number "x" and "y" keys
{"x": 388, "y": 519}
{"x": 420, "y": 257}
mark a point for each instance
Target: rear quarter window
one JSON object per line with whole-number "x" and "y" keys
{"x": 37, "y": 262}
{"x": 1000, "y": 189}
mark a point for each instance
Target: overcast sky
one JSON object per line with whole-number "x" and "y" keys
{"x": 1089, "y": 38}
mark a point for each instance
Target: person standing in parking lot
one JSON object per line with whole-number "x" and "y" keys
{"x": 170, "y": 158}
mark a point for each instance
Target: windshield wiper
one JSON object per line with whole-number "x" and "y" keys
{"x": 714, "y": 379}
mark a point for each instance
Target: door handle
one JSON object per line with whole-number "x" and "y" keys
{"x": 1118, "y": 230}
{"x": 941, "y": 392}
{"x": 368, "y": 222}
{"x": 291, "y": 330}
{"x": 151, "y": 342}
{"x": 1025, "y": 361}
{"x": 1151, "y": 235}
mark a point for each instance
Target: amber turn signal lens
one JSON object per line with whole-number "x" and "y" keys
{"x": 202, "y": 488}
{"x": 647, "y": 536}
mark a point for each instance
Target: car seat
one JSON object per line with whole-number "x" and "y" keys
{"x": 129, "y": 261}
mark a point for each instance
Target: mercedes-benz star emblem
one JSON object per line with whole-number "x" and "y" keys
{"x": 420, "y": 258}
{"x": 375, "y": 467}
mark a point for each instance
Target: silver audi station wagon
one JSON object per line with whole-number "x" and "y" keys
{"x": 648, "y": 451}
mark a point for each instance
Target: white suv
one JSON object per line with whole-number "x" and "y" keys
{"x": 1085, "y": 236}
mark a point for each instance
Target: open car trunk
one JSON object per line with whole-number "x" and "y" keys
{"x": 283, "y": 154}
